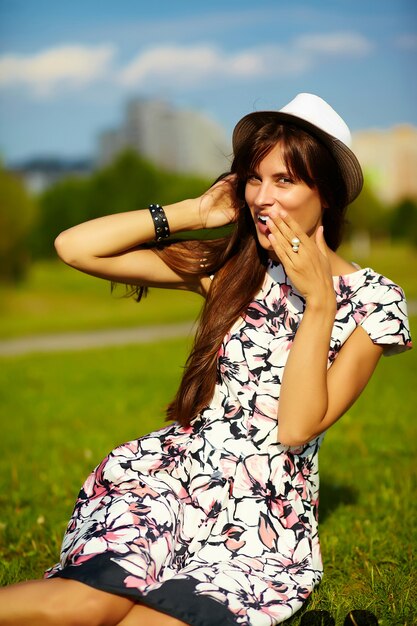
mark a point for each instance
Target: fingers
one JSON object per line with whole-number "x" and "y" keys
{"x": 320, "y": 240}
{"x": 283, "y": 231}
{"x": 218, "y": 205}
{"x": 279, "y": 243}
{"x": 286, "y": 229}
{"x": 289, "y": 227}
{"x": 224, "y": 189}
{"x": 306, "y": 264}
{"x": 228, "y": 180}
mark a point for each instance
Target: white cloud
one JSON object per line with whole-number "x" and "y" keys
{"x": 188, "y": 65}
{"x": 52, "y": 69}
{"x": 341, "y": 44}
{"x": 162, "y": 61}
{"x": 192, "y": 65}
{"x": 75, "y": 66}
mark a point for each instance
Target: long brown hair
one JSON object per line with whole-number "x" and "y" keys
{"x": 237, "y": 261}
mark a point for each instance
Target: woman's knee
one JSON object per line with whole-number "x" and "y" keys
{"x": 71, "y": 603}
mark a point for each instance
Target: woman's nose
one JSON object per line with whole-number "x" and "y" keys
{"x": 265, "y": 195}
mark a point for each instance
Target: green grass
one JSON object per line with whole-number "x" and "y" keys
{"x": 62, "y": 413}
{"x": 368, "y": 509}
{"x": 55, "y": 298}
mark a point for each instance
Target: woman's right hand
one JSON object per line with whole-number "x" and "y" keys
{"x": 218, "y": 205}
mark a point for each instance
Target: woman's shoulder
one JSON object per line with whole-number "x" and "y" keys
{"x": 351, "y": 278}
{"x": 378, "y": 304}
{"x": 367, "y": 289}
{"x": 367, "y": 280}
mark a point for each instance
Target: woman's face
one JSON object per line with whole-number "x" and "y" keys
{"x": 271, "y": 188}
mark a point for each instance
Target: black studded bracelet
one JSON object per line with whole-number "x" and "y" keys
{"x": 160, "y": 222}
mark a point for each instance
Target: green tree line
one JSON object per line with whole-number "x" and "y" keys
{"x": 130, "y": 182}
{"x": 29, "y": 225}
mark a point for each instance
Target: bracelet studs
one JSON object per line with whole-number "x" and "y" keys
{"x": 160, "y": 222}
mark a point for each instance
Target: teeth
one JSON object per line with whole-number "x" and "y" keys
{"x": 262, "y": 218}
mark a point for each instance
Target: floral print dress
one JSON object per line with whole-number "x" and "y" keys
{"x": 216, "y": 523}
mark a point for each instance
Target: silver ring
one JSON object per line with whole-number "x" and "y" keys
{"x": 295, "y": 244}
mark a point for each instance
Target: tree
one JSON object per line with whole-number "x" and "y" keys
{"x": 18, "y": 214}
{"x": 131, "y": 182}
{"x": 61, "y": 206}
{"x": 368, "y": 214}
{"x": 128, "y": 183}
{"x": 403, "y": 223}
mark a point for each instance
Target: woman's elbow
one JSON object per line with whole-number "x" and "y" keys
{"x": 65, "y": 250}
{"x": 291, "y": 442}
{"x": 294, "y": 438}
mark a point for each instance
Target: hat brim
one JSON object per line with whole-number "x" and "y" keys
{"x": 345, "y": 158}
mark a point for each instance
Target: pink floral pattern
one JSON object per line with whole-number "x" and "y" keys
{"x": 221, "y": 508}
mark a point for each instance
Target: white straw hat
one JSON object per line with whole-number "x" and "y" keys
{"x": 317, "y": 117}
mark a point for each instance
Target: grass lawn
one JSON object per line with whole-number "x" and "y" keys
{"x": 61, "y": 413}
{"x": 56, "y": 298}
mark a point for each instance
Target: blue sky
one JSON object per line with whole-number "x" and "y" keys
{"x": 68, "y": 68}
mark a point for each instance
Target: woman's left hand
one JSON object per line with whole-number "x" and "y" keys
{"x": 308, "y": 268}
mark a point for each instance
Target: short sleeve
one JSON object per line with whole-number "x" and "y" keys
{"x": 386, "y": 321}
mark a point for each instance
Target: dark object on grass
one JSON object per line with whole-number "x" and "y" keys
{"x": 317, "y": 618}
{"x": 360, "y": 618}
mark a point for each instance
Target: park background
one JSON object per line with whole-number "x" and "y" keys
{"x": 67, "y": 74}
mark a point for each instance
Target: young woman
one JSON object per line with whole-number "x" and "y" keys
{"x": 212, "y": 520}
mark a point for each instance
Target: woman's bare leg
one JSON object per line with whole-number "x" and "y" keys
{"x": 60, "y": 602}
{"x": 141, "y": 615}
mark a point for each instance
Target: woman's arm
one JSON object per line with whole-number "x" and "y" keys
{"x": 109, "y": 247}
{"x": 313, "y": 397}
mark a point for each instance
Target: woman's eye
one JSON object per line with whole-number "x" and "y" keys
{"x": 285, "y": 179}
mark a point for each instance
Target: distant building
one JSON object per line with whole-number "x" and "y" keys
{"x": 389, "y": 159}
{"x": 40, "y": 173}
{"x": 178, "y": 140}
